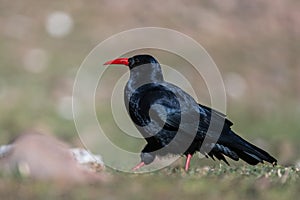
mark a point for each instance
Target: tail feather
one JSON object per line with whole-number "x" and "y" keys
{"x": 249, "y": 158}
{"x": 245, "y": 150}
{"x": 218, "y": 155}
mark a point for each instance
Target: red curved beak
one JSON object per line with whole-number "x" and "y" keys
{"x": 118, "y": 61}
{"x": 141, "y": 164}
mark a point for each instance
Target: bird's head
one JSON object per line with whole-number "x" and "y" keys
{"x": 147, "y": 157}
{"x": 134, "y": 61}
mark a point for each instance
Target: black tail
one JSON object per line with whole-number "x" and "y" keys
{"x": 236, "y": 147}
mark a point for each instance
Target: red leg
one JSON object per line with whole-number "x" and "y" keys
{"x": 187, "y": 163}
{"x": 141, "y": 164}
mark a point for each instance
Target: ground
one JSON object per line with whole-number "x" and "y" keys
{"x": 218, "y": 182}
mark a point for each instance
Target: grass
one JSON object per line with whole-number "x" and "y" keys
{"x": 218, "y": 182}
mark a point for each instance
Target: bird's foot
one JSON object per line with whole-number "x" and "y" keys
{"x": 187, "y": 163}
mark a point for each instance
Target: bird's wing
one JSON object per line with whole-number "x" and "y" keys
{"x": 168, "y": 107}
{"x": 165, "y": 108}
{"x": 212, "y": 113}
{"x": 153, "y": 107}
{"x": 193, "y": 114}
{"x": 167, "y": 115}
{"x": 212, "y": 123}
{"x": 171, "y": 122}
{"x": 211, "y": 110}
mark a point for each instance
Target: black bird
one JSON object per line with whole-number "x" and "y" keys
{"x": 166, "y": 116}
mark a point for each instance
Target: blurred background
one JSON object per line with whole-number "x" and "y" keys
{"x": 255, "y": 44}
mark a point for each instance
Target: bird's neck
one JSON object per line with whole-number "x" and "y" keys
{"x": 143, "y": 75}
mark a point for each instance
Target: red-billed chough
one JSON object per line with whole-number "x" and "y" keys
{"x": 166, "y": 116}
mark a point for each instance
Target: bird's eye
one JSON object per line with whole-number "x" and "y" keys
{"x": 137, "y": 60}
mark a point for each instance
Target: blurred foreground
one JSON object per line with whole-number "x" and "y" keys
{"x": 41, "y": 157}
{"x": 219, "y": 182}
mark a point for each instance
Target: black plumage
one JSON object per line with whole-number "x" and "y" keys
{"x": 173, "y": 123}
